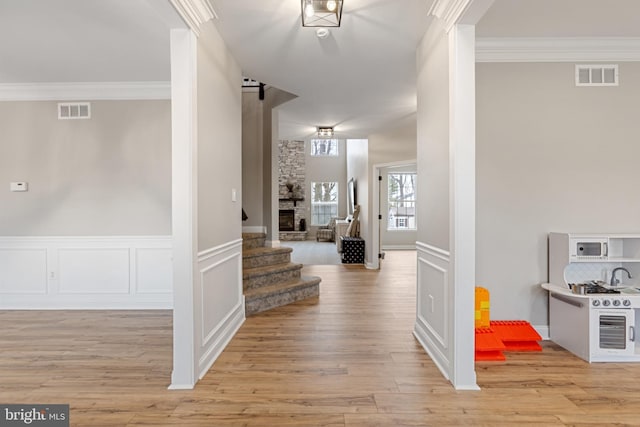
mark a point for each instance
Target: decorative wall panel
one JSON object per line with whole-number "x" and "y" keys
{"x": 86, "y": 272}
{"x": 219, "y": 302}
{"x": 23, "y": 271}
{"x": 433, "y": 304}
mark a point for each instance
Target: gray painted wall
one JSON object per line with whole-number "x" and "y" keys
{"x": 396, "y": 144}
{"x": 550, "y": 157}
{"x": 433, "y": 141}
{"x": 358, "y": 168}
{"x": 108, "y": 175}
{"x": 219, "y": 142}
{"x": 252, "y": 157}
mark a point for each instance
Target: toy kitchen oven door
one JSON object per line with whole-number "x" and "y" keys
{"x": 612, "y": 330}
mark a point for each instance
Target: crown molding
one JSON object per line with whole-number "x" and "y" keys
{"x": 448, "y": 11}
{"x": 453, "y": 12}
{"x": 561, "y": 49}
{"x": 84, "y": 91}
{"x": 194, "y": 12}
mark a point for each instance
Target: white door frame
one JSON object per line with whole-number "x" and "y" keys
{"x": 375, "y": 208}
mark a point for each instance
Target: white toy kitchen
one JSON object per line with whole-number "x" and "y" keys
{"x": 594, "y": 295}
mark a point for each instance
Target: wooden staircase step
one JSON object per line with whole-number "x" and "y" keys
{"x": 279, "y": 294}
{"x": 256, "y": 257}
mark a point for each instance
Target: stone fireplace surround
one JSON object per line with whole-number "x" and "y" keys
{"x": 291, "y": 165}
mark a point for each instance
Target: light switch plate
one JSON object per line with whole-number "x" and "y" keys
{"x": 19, "y": 186}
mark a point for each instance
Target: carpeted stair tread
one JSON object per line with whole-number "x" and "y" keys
{"x": 277, "y": 288}
{"x": 253, "y": 235}
{"x": 263, "y": 257}
{"x": 250, "y": 273}
{"x": 255, "y": 252}
{"x": 270, "y": 279}
{"x": 253, "y": 240}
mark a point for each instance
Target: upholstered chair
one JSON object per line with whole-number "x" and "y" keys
{"x": 327, "y": 232}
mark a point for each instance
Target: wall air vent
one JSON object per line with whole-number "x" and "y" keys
{"x": 74, "y": 110}
{"x": 597, "y": 75}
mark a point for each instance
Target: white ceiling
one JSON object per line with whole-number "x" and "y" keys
{"x": 359, "y": 80}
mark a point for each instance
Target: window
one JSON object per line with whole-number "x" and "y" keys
{"x": 324, "y": 147}
{"x": 401, "y": 222}
{"x": 402, "y": 201}
{"x": 324, "y": 202}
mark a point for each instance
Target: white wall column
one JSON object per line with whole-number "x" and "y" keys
{"x": 446, "y": 189}
{"x": 462, "y": 201}
{"x": 273, "y": 226}
{"x": 184, "y": 209}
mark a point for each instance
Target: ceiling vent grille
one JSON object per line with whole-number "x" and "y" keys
{"x": 597, "y": 75}
{"x": 74, "y": 110}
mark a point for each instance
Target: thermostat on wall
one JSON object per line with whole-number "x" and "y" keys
{"x": 19, "y": 186}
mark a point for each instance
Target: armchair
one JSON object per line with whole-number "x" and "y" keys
{"x": 327, "y": 232}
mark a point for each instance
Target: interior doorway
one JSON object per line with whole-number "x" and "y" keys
{"x": 383, "y": 235}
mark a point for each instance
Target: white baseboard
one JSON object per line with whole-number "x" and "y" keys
{"x": 440, "y": 360}
{"x": 181, "y": 387}
{"x": 224, "y": 334}
{"x": 371, "y": 266}
{"x": 399, "y": 247}
{"x": 272, "y": 243}
{"x": 254, "y": 229}
{"x": 543, "y": 331}
{"x": 86, "y": 272}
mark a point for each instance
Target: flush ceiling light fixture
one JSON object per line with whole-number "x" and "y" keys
{"x": 322, "y": 33}
{"x": 321, "y": 13}
{"x": 325, "y": 131}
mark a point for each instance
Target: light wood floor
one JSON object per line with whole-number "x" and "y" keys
{"x": 310, "y": 252}
{"x": 345, "y": 359}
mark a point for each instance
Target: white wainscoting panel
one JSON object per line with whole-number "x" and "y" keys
{"x": 78, "y": 272}
{"x": 214, "y": 298}
{"x": 93, "y": 271}
{"x": 153, "y": 271}
{"x": 433, "y": 300}
{"x": 23, "y": 271}
{"x": 221, "y": 305}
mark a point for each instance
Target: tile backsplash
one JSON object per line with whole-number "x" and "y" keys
{"x": 578, "y": 272}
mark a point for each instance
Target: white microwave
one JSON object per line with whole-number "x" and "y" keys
{"x": 589, "y": 248}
